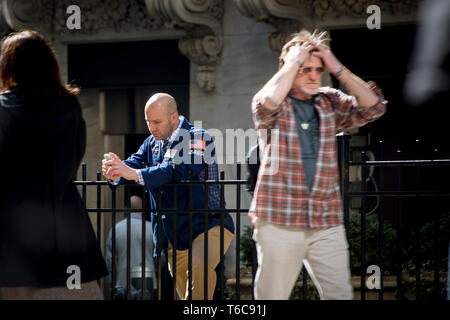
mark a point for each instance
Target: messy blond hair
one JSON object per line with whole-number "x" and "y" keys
{"x": 300, "y": 38}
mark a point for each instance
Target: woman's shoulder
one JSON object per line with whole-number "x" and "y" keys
{"x": 11, "y": 99}
{"x": 56, "y": 106}
{"x": 64, "y": 100}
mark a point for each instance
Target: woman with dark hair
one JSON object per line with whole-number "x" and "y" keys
{"x": 44, "y": 227}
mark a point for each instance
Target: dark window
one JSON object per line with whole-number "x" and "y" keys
{"x": 383, "y": 56}
{"x": 125, "y": 64}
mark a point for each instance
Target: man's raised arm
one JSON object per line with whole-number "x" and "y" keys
{"x": 276, "y": 89}
{"x": 355, "y": 85}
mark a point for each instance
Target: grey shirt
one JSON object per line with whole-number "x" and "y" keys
{"x": 135, "y": 249}
{"x": 308, "y": 135}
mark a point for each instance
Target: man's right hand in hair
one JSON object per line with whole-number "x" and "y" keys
{"x": 276, "y": 89}
{"x": 298, "y": 53}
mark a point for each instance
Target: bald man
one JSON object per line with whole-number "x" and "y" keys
{"x": 176, "y": 150}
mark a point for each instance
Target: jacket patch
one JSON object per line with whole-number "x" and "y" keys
{"x": 197, "y": 144}
{"x": 198, "y": 153}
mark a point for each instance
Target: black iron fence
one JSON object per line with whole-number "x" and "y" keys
{"x": 411, "y": 198}
{"x": 394, "y": 242}
{"x": 161, "y": 256}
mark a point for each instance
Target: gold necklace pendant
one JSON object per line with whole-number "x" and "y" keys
{"x": 304, "y": 125}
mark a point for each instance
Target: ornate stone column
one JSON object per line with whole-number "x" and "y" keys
{"x": 202, "y": 22}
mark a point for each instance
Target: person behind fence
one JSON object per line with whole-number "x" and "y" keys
{"x": 297, "y": 210}
{"x": 135, "y": 255}
{"x": 48, "y": 249}
{"x": 178, "y": 150}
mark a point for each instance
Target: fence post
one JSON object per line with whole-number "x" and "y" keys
{"x": 190, "y": 241}
{"x": 222, "y": 221}
{"x": 205, "y": 245}
{"x": 128, "y": 244}
{"x": 99, "y": 213}
{"x": 343, "y": 161}
{"x": 399, "y": 232}
{"x": 143, "y": 248}
{"x": 363, "y": 226}
{"x": 113, "y": 246}
{"x": 238, "y": 233}
{"x": 83, "y": 188}
{"x": 174, "y": 231}
{"x": 381, "y": 223}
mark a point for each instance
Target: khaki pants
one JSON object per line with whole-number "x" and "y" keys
{"x": 282, "y": 252}
{"x": 182, "y": 261}
{"x": 89, "y": 291}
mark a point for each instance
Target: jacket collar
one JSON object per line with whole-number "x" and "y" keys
{"x": 175, "y": 133}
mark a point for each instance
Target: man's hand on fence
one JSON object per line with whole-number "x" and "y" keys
{"x": 115, "y": 168}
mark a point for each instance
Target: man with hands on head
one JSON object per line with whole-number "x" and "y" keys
{"x": 297, "y": 211}
{"x": 177, "y": 149}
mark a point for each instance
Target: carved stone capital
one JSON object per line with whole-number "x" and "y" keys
{"x": 20, "y": 14}
{"x": 286, "y": 16}
{"x": 326, "y": 9}
{"x": 289, "y": 16}
{"x": 4, "y": 26}
{"x": 119, "y": 16}
{"x": 202, "y": 22}
{"x": 201, "y": 51}
{"x": 206, "y": 77}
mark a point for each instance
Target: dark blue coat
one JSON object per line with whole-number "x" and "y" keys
{"x": 158, "y": 170}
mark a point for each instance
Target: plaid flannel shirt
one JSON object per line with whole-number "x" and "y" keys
{"x": 282, "y": 197}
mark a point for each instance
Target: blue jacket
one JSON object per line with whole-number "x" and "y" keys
{"x": 188, "y": 155}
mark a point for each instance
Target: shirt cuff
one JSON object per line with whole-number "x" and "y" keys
{"x": 141, "y": 179}
{"x": 115, "y": 182}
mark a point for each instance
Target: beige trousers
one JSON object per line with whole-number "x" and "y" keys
{"x": 182, "y": 261}
{"x": 283, "y": 250}
{"x": 89, "y": 291}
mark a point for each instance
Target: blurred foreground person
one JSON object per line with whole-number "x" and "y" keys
{"x": 48, "y": 249}
{"x": 427, "y": 84}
